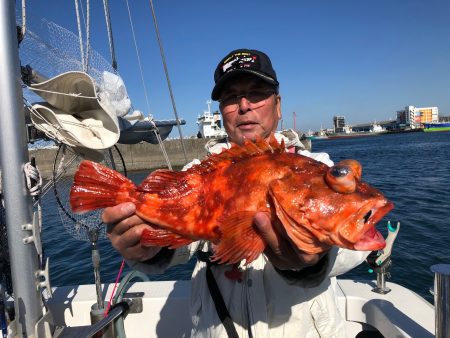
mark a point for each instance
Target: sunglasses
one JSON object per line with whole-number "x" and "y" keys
{"x": 253, "y": 96}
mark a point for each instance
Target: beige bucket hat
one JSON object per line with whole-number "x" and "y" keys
{"x": 91, "y": 129}
{"x": 75, "y": 113}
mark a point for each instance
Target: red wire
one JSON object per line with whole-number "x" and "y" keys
{"x": 114, "y": 289}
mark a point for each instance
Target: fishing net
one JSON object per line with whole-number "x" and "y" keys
{"x": 80, "y": 226}
{"x": 52, "y": 50}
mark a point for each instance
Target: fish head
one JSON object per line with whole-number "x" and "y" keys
{"x": 330, "y": 206}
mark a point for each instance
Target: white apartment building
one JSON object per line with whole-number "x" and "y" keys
{"x": 413, "y": 116}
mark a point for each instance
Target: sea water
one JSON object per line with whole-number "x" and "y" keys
{"x": 411, "y": 169}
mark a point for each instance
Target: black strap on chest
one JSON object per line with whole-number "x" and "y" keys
{"x": 219, "y": 303}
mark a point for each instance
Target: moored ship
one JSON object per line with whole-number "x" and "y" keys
{"x": 348, "y": 132}
{"x": 436, "y": 126}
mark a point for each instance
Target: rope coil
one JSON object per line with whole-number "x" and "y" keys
{"x": 33, "y": 178}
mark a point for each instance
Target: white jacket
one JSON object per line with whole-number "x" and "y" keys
{"x": 264, "y": 303}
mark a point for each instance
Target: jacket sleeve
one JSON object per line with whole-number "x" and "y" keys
{"x": 165, "y": 259}
{"x": 343, "y": 260}
{"x": 336, "y": 262}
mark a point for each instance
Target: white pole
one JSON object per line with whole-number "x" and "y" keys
{"x": 13, "y": 156}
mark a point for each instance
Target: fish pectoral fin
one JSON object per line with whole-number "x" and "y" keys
{"x": 163, "y": 238}
{"x": 239, "y": 240}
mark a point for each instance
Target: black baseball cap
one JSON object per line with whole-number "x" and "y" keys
{"x": 242, "y": 61}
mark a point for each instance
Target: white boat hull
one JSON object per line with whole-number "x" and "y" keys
{"x": 400, "y": 313}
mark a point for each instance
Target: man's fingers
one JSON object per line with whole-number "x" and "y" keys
{"x": 139, "y": 252}
{"x": 281, "y": 251}
{"x": 127, "y": 239}
{"x": 117, "y": 213}
{"x": 265, "y": 229}
{"x": 124, "y": 225}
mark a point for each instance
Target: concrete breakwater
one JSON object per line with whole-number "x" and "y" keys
{"x": 141, "y": 156}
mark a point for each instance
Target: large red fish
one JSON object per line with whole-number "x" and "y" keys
{"x": 315, "y": 205}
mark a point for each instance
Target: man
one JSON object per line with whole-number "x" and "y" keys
{"x": 284, "y": 292}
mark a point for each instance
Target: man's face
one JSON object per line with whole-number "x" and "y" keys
{"x": 247, "y": 118}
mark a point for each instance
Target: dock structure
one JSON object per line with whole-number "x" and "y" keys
{"x": 141, "y": 156}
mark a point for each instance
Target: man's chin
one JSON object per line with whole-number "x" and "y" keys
{"x": 247, "y": 137}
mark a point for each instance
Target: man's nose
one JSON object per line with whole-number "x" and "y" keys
{"x": 244, "y": 104}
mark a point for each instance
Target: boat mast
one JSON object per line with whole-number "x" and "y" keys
{"x": 13, "y": 156}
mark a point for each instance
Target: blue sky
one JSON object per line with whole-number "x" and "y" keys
{"x": 360, "y": 59}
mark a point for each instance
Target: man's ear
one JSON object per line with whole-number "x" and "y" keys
{"x": 279, "y": 114}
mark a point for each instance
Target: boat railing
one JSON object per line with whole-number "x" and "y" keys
{"x": 442, "y": 299}
{"x": 380, "y": 261}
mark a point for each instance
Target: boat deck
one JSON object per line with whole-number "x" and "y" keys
{"x": 399, "y": 313}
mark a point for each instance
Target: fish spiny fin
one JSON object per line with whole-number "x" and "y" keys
{"x": 96, "y": 186}
{"x": 163, "y": 238}
{"x": 278, "y": 147}
{"x": 169, "y": 185}
{"x": 237, "y": 153}
{"x": 161, "y": 179}
{"x": 239, "y": 240}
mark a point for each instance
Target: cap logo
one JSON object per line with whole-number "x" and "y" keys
{"x": 240, "y": 60}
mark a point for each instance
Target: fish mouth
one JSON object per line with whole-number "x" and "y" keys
{"x": 372, "y": 239}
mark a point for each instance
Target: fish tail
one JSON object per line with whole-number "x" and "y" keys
{"x": 96, "y": 186}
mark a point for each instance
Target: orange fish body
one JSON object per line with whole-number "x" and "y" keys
{"x": 315, "y": 205}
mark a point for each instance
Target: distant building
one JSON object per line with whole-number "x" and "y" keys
{"x": 414, "y": 117}
{"x": 338, "y": 124}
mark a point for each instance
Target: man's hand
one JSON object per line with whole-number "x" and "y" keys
{"x": 282, "y": 253}
{"x": 124, "y": 229}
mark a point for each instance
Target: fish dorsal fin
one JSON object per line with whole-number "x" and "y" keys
{"x": 237, "y": 153}
{"x": 277, "y": 146}
{"x": 166, "y": 183}
{"x": 172, "y": 184}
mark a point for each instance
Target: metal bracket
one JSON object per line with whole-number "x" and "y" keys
{"x": 43, "y": 278}
{"x": 35, "y": 228}
{"x": 135, "y": 301}
{"x": 44, "y": 326}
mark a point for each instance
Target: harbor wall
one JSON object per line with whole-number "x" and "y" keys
{"x": 141, "y": 156}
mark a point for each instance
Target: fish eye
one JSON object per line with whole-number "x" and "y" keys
{"x": 339, "y": 171}
{"x": 367, "y": 216}
{"x": 341, "y": 179}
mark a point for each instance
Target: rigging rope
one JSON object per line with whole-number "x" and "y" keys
{"x": 88, "y": 34}
{"x": 168, "y": 80}
{"x": 61, "y": 93}
{"x": 110, "y": 35}
{"x": 161, "y": 145}
{"x": 33, "y": 178}
{"x": 84, "y": 57}
{"x": 114, "y": 288}
{"x": 80, "y": 36}
{"x": 138, "y": 57}
{"x": 24, "y": 18}
{"x": 155, "y": 130}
